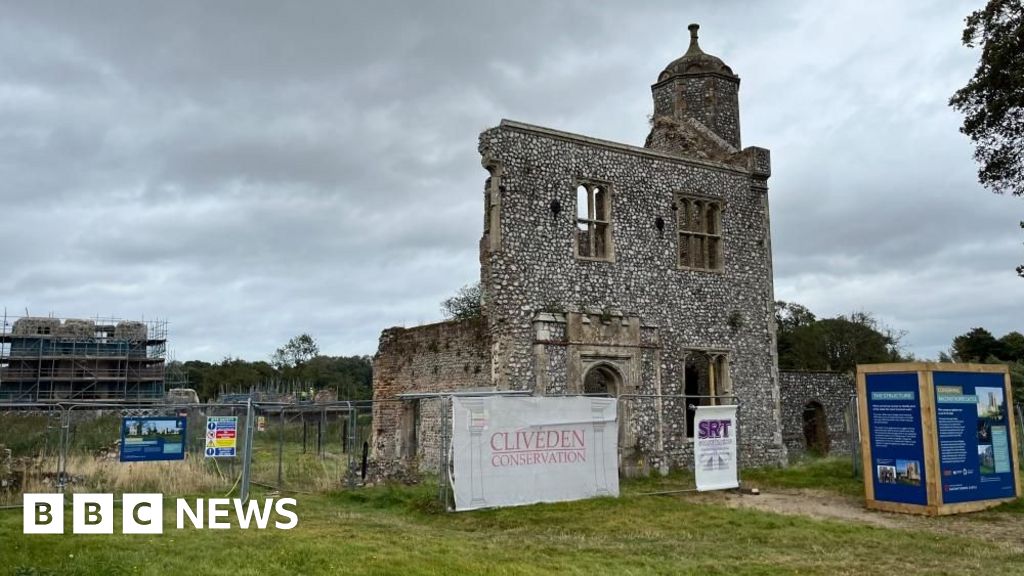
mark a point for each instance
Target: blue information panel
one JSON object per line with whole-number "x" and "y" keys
{"x": 155, "y": 438}
{"x": 974, "y": 436}
{"x": 897, "y": 446}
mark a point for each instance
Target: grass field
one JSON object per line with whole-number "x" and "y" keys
{"x": 400, "y": 530}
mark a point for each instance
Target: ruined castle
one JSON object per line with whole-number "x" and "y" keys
{"x": 644, "y": 273}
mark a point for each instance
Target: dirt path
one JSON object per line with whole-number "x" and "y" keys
{"x": 1005, "y": 529}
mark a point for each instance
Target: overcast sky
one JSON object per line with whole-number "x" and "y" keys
{"x": 253, "y": 170}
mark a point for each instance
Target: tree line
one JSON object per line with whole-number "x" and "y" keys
{"x": 981, "y": 346}
{"x": 805, "y": 342}
{"x": 840, "y": 343}
{"x": 297, "y": 366}
{"x": 834, "y": 344}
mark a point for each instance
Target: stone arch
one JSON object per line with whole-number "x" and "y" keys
{"x": 815, "y": 428}
{"x": 603, "y": 379}
{"x": 607, "y": 379}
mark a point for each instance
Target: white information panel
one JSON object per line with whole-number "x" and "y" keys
{"x": 510, "y": 451}
{"x": 714, "y": 447}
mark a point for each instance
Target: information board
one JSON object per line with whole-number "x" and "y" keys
{"x": 221, "y": 436}
{"x": 152, "y": 438}
{"x": 974, "y": 433}
{"x": 937, "y": 438}
{"x": 897, "y": 442}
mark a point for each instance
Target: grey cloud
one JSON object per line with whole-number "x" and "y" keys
{"x": 253, "y": 170}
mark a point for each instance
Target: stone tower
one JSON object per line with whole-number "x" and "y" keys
{"x": 696, "y": 86}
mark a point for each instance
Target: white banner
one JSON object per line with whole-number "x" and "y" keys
{"x": 509, "y": 451}
{"x": 714, "y": 447}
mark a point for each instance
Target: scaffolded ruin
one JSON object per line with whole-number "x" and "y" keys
{"x": 47, "y": 359}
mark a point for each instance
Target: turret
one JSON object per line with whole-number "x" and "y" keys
{"x": 701, "y": 87}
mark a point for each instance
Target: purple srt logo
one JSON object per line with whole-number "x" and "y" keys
{"x": 714, "y": 429}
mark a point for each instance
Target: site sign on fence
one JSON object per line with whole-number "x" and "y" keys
{"x": 510, "y": 451}
{"x": 714, "y": 448}
{"x": 146, "y": 439}
{"x": 221, "y": 436}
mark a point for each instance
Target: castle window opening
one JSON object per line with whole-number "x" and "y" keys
{"x": 593, "y": 222}
{"x": 700, "y": 233}
{"x": 705, "y": 383}
{"x": 492, "y": 207}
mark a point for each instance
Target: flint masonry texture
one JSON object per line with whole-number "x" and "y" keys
{"x": 806, "y": 391}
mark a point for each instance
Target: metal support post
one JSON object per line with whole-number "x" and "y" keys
{"x": 442, "y": 476}
{"x": 65, "y": 445}
{"x": 1020, "y": 425}
{"x": 247, "y": 450}
{"x": 280, "y": 450}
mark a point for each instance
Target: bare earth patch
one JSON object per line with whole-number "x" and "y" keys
{"x": 1004, "y": 529}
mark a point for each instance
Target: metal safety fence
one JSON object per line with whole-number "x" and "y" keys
{"x": 181, "y": 448}
{"x": 236, "y": 447}
{"x": 655, "y": 436}
{"x": 77, "y": 447}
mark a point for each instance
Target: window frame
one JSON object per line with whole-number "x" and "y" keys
{"x": 594, "y": 186}
{"x": 719, "y": 385}
{"x": 686, "y": 230}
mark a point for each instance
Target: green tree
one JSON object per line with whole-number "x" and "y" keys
{"x": 350, "y": 376}
{"x": 1013, "y": 346}
{"x": 297, "y": 351}
{"x": 1017, "y": 380}
{"x": 857, "y": 339}
{"x": 978, "y": 345}
{"x": 992, "y": 102}
{"x": 790, "y": 315}
{"x": 464, "y": 305}
{"x": 840, "y": 343}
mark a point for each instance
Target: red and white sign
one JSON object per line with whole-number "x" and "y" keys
{"x": 510, "y": 451}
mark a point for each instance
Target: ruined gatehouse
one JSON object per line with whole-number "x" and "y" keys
{"x": 644, "y": 273}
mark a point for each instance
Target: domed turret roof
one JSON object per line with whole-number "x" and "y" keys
{"x": 695, "y": 61}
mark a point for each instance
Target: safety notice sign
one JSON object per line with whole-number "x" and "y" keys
{"x": 221, "y": 436}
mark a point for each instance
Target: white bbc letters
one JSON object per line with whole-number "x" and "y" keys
{"x": 142, "y": 514}
{"x": 218, "y": 508}
{"x": 281, "y": 507}
{"x": 92, "y": 514}
{"x": 186, "y": 511}
{"x": 43, "y": 514}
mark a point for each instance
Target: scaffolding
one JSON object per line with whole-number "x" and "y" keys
{"x": 49, "y": 359}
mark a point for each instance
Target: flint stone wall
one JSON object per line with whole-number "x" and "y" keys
{"x": 535, "y": 269}
{"x": 833, "y": 390}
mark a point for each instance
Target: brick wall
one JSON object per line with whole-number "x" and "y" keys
{"x": 442, "y": 357}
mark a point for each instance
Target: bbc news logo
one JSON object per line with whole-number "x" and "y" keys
{"x": 144, "y": 514}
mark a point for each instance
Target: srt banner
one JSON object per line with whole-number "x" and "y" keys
{"x": 510, "y": 451}
{"x": 714, "y": 447}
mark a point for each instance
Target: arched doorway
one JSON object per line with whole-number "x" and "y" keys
{"x": 602, "y": 380}
{"x": 815, "y": 428}
{"x": 605, "y": 379}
